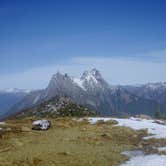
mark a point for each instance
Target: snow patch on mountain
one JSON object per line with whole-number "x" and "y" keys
{"x": 36, "y": 99}
{"x": 79, "y": 82}
{"x": 156, "y": 86}
{"x": 89, "y": 77}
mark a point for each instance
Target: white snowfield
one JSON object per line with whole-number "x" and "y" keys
{"x": 2, "y": 123}
{"x": 162, "y": 149}
{"x": 158, "y": 131}
{"x": 147, "y": 160}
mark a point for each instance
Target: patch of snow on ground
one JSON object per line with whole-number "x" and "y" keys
{"x": 162, "y": 149}
{"x": 94, "y": 120}
{"x": 158, "y": 130}
{"x": 147, "y": 160}
{"x": 2, "y": 123}
{"x": 138, "y": 158}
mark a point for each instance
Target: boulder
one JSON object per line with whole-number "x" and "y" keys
{"x": 142, "y": 116}
{"x": 41, "y": 125}
{"x": 159, "y": 122}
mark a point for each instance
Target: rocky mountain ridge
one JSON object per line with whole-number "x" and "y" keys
{"x": 56, "y": 107}
{"x": 10, "y": 97}
{"x": 92, "y": 91}
{"x": 152, "y": 91}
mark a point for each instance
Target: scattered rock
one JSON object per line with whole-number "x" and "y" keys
{"x": 150, "y": 149}
{"x": 98, "y": 143}
{"x": 135, "y": 136}
{"x": 142, "y": 116}
{"x": 36, "y": 161}
{"x": 64, "y": 153}
{"x": 5, "y": 129}
{"x": 109, "y": 122}
{"x": 140, "y": 146}
{"x": 161, "y": 149}
{"x": 4, "y": 150}
{"x": 8, "y": 129}
{"x": 83, "y": 129}
{"x": 2, "y": 123}
{"x": 159, "y": 122}
{"x": 106, "y": 136}
{"x": 133, "y": 153}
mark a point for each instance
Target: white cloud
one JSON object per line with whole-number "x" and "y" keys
{"x": 154, "y": 56}
{"x": 36, "y": 78}
{"x": 115, "y": 71}
{"x": 126, "y": 71}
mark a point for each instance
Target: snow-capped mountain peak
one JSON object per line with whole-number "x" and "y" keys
{"x": 92, "y": 79}
{"x": 89, "y": 80}
{"x": 155, "y": 86}
{"x": 57, "y": 75}
{"x": 92, "y": 75}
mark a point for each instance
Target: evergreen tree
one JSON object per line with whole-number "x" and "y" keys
{"x": 158, "y": 113}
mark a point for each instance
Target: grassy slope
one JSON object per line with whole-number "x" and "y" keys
{"x": 67, "y": 143}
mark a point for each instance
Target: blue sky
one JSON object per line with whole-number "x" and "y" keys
{"x": 124, "y": 39}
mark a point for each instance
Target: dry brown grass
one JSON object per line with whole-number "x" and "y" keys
{"x": 67, "y": 143}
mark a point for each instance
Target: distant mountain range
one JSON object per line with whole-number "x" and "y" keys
{"x": 92, "y": 91}
{"x": 151, "y": 91}
{"x": 10, "y": 97}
